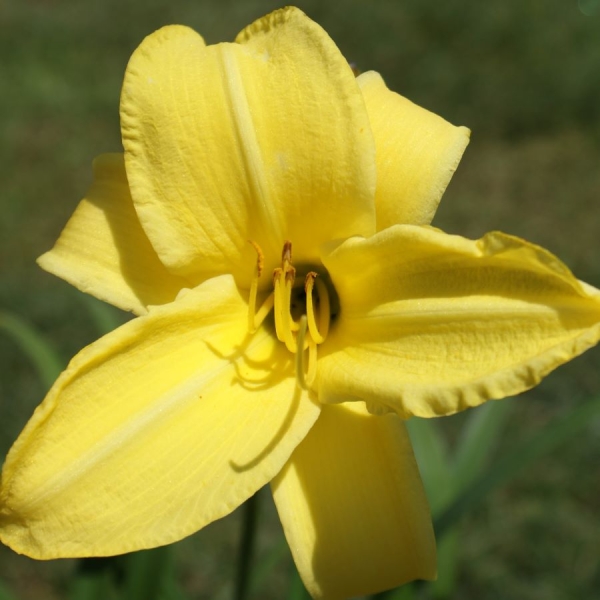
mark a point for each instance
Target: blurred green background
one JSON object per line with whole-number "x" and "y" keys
{"x": 524, "y": 75}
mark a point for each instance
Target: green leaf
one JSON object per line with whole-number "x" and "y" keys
{"x": 479, "y": 438}
{"x": 404, "y": 592}
{"x": 92, "y": 586}
{"x": 44, "y": 358}
{"x": 540, "y": 443}
{"x": 432, "y": 453}
{"x": 448, "y": 555}
{"x": 94, "y": 578}
{"x": 297, "y": 591}
{"x": 266, "y": 565}
{"x": 149, "y": 575}
{"x": 105, "y": 317}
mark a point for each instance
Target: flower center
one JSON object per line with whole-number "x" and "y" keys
{"x": 302, "y": 311}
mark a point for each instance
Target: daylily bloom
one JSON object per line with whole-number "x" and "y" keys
{"x": 268, "y": 222}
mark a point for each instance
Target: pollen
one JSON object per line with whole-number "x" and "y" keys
{"x": 301, "y": 331}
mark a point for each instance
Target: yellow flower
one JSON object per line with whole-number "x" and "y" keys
{"x": 268, "y": 222}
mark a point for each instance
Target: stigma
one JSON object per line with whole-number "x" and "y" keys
{"x": 301, "y": 309}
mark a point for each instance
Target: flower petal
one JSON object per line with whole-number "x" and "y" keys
{"x": 266, "y": 139}
{"x": 417, "y": 154}
{"x": 431, "y": 323}
{"x": 104, "y": 251}
{"x": 353, "y": 506}
{"x": 152, "y": 432}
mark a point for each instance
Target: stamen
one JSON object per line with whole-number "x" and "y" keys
{"x": 312, "y": 362}
{"x": 324, "y": 307}
{"x": 264, "y": 310}
{"x": 260, "y": 261}
{"x": 305, "y": 380}
{"x": 278, "y": 303}
{"x": 318, "y": 334}
{"x": 287, "y": 323}
{"x": 300, "y": 355}
{"x": 290, "y": 278}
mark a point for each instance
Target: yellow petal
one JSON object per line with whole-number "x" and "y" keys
{"x": 266, "y": 139}
{"x": 353, "y": 506}
{"x": 152, "y": 432}
{"x": 104, "y": 251}
{"x": 417, "y": 154}
{"x": 431, "y": 323}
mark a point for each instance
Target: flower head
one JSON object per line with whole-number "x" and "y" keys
{"x": 268, "y": 222}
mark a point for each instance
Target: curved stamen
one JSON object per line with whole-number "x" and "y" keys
{"x": 312, "y": 363}
{"x": 283, "y": 319}
{"x": 264, "y": 310}
{"x": 305, "y": 377}
{"x": 290, "y": 278}
{"x": 318, "y": 334}
{"x": 324, "y": 307}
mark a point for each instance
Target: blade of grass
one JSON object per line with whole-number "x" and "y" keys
{"x": 44, "y": 358}
{"x": 542, "y": 442}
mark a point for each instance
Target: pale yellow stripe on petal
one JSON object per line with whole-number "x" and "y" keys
{"x": 417, "y": 154}
{"x": 104, "y": 251}
{"x": 154, "y": 431}
{"x": 249, "y": 147}
{"x": 353, "y": 507}
{"x": 431, "y": 324}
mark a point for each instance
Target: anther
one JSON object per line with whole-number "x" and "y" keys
{"x": 260, "y": 257}
{"x": 286, "y": 254}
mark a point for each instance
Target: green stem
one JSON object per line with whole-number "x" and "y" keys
{"x": 247, "y": 543}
